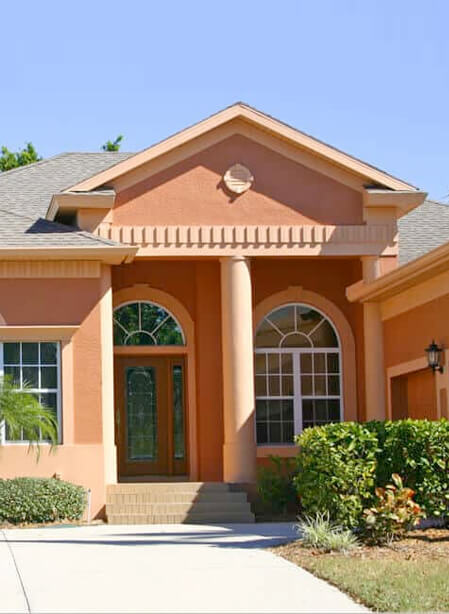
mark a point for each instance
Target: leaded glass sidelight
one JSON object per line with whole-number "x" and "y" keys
{"x": 297, "y": 373}
{"x": 141, "y": 413}
{"x": 144, "y": 323}
{"x": 178, "y": 412}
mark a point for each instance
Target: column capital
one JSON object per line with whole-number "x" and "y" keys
{"x": 235, "y": 258}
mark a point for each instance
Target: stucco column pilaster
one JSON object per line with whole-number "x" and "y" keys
{"x": 107, "y": 378}
{"x": 239, "y": 450}
{"x": 374, "y": 348}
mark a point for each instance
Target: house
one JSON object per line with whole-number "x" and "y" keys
{"x": 184, "y": 310}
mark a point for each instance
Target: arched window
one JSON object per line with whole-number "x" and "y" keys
{"x": 145, "y": 323}
{"x": 297, "y": 373}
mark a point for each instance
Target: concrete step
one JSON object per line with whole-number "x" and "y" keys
{"x": 164, "y": 487}
{"x": 175, "y": 497}
{"x": 218, "y": 518}
{"x": 156, "y": 509}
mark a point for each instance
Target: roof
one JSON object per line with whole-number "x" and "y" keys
{"x": 28, "y": 189}
{"x": 262, "y": 121}
{"x": 422, "y": 230}
{"x": 18, "y": 230}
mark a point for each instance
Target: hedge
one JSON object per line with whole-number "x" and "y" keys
{"x": 40, "y": 500}
{"x": 339, "y": 466}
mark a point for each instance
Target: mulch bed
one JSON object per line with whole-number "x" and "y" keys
{"x": 429, "y": 544}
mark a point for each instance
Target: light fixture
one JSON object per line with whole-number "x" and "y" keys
{"x": 433, "y": 356}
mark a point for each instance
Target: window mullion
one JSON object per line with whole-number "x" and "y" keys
{"x": 297, "y": 403}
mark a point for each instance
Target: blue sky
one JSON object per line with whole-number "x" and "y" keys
{"x": 368, "y": 76}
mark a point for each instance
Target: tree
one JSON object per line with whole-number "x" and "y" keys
{"x": 113, "y": 145}
{"x": 10, "y": 159}
{"x": 24, "y": 416}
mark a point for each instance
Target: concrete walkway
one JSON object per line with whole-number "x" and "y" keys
{"x": 158, "y": 568}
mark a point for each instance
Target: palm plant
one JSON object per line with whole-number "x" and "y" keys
{"x": 24, "y": 417}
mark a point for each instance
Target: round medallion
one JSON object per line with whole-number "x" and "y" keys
{"x": 238, "y": 178}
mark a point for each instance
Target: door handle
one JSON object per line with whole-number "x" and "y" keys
{"x": 117, "y": 416}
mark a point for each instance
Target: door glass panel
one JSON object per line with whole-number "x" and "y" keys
{"x": 141, "y": 406}
{"x": 178, "y": 412}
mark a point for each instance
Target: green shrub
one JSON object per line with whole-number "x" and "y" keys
{"x": 393, "y": 514}
{"x": 336, "y": 470}
{"x": 321, "y": 533}
{"x": 40, "y": 500}
{"x": 275, "y": 484}
{"x": 418, "y": 450}
{"x": 339, "y": 466}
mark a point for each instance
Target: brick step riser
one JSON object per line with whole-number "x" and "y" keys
{"x": 180, "y": 518}
{"x": 178, "y": 508}
{"x": 142, "y": 498}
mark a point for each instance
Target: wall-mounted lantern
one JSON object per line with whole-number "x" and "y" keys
{"x": 434, "y": 356}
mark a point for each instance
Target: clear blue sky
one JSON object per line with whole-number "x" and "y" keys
{"x": 368, "y": 76}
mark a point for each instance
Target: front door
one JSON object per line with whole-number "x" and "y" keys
{"x": 150, "y": 416}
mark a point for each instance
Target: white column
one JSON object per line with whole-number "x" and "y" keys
{"x": 374, "y": 348}
{"x": 239, "y": 450}
{"x": 107, "y": 378}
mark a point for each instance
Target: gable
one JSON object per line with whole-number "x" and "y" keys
{"x": 192, "y": 191}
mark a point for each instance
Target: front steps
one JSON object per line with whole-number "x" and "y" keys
{"x": 176, "y": 502}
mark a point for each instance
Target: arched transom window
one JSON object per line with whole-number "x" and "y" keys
{"x": 297, "y": 373}
{"x": 145, "y": 323}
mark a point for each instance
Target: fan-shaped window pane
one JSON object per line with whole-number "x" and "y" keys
{"x": 296, "y": 340}
{"x": 267, "y": 336}
{"x": 284, "y": 319}
{"x": 324, "y": 336}
{"x": 143, "y": 323}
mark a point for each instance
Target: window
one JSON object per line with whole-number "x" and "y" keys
{"x": 36, "y": 365}
{"x": 297, "y": 373}
{"x": 143, "y": 323}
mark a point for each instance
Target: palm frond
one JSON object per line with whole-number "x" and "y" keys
{"x": 24, "y": 416}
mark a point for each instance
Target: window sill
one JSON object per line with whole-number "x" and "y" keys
{"x": 285, "y": 451}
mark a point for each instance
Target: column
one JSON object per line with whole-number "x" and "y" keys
{"x": 107, "y": 378}
{"x": 374, "y": 348}
{"x": 239, "y": 450}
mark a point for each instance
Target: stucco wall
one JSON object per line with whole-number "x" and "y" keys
{"x": 192, "y": 192}
{"x": 63, "y": 302}
{"x": 405, "y": 338}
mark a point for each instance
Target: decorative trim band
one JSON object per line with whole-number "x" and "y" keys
{"x": 301, "y": 239}
{"x": 32, "y": 269}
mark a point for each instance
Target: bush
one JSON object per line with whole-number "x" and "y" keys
{"x": 394, "y": 513}
{"x": 336, "y": 470}
{"x": 418, "y": 450}
{"x": 339, "y": 465}
{"x": 40, "y": 500}
{"x": 321, "y": 533}
{"x": 275, "y": 484}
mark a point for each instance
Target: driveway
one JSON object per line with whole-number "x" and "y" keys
{"x": 158, "y": 568}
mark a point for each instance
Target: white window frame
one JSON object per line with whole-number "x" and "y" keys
{"x": 296, "y": 358}
{"x": 58, "y": 390}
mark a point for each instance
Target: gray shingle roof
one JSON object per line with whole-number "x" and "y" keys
{"x": 28, "y": 189}
{"x": 25, "y": 195}
{"x": 422, "y": 230}
{"x": 21, "y": 231}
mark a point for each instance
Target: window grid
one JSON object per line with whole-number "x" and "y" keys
{"x": 325, "y": 378}
{"x": 15, "y": 368}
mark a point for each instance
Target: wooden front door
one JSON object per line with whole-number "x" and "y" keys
{"x": 150, "y": 415}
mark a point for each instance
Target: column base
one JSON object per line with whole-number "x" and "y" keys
{"x": 239, "y": 463}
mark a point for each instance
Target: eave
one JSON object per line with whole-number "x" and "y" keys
{"x": 402, "y": 278}
{"x": 107, "y": 255}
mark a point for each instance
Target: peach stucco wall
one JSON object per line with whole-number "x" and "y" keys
{"x": 409, "y": 333}
{"x": 191, "y": 192}
{"x": 405, "y": 338}
{"x": 52, "y": 302}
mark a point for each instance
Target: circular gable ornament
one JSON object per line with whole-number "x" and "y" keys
{"x": 238, "y": 178}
